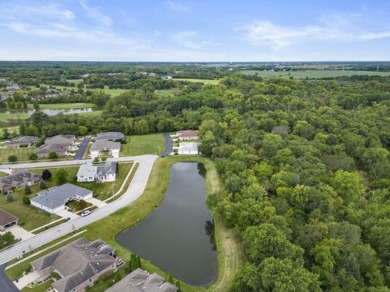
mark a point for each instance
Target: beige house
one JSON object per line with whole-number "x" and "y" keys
{"x": 7, "y": 220}
{"x": 112, "y": 148}
{"x": 79, "y": 264}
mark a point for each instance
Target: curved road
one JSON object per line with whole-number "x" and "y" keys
{"x": 135, "y": 190}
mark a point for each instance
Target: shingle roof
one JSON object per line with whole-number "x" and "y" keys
{"x": 141, "y": 281}
{"x": 101, "y": 145}
{"x": 46, "y": 148}
{"x": 87, "y": 170}
{"x": 6, "y": 218}
{"x": 110, "y": 136}
{"x": 187, "y": 133}
{"x": 61, "y": 139}
{"x": 23, "y": 140}
{"x": 107, "y": 168}
{"x": 188, "y": 146}
{"x": 90, "y": 170}
{"x": 58, "y": 196}
{"x": 17, "y": 179}
{"x": 77, "y": 262}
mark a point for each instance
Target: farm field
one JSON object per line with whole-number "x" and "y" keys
{"x": 143, "y": 144}
{"x": 312, "y": 73}
{"x": 205, "y": 81}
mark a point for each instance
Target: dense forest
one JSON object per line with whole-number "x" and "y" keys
{"x": 305, "y": 163}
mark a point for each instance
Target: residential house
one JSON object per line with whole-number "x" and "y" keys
{"x": 187, "y": 135}
{"x": 79, "y": 264}
{"x": 18, "y": 179}
{"x": 188, "y": 148}
{"x": 141, "y": 281}
{"x": 17, "y": 142}
{"x": 60, "y": 144}
{"x": 53, "y": 200}
{"x": 12, "y": 88}
{"x": 7, "y": 220}
{"x": 112, "y": 148}
{"x": 110, "y": 136}
{"x": 100, "y": 173}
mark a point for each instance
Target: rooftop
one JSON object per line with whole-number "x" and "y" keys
{"x": 113, "y": 136}
{"x": 6, "y": 218}
{"x": 100, "y": 145}
{"x": 57, "y": 196}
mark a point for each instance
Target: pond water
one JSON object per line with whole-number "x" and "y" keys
{"x": 178, "y": 236}
{"x": 53, "y": 112}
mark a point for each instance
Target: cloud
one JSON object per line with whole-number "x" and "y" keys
{"x": 191, "y": 40}
{"x": 266, "y": 33}
{"x": 96, "y": 14}
{"x": 179, "y": 7}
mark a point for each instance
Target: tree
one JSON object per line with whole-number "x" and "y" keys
{"x": 36, "y": 106}
{"x": 26, "y": 200}
{"x": 10, "y": 197}
{"x": 42, "y": 185}
{"x": 170, "y": 279}
{"x": 27, "y": 190}
{"x": 61, "y": 176}
{"x": 53, "y": 155}
{"x": 12, "y": 158}
{"x": 33, "y": 156}
{"x": 46, "y": 174}
{"x": 6, "y": 134}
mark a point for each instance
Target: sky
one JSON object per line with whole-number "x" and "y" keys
{"x": 195, "y": 30}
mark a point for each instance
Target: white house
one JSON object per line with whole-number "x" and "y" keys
{"x": 53, "y": 200}
{"x": 111, "y": 147}
{"x": 188, "y": 148}
{"x": 100, "y": 173}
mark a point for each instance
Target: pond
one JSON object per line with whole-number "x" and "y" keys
{"x": 53, "y": 112}
{"x": 178, "y": 237}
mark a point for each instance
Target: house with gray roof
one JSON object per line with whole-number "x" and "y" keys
{"x": 60, "y": 144}
{"x": 110, "y": 136}
{"x": 18, "y": 179}
{"x": 21, "y": 141}
{"x": 110, "y": 147}
{"x": 101, "y": 173}
{"x": 53, "y": 200}
{"x": 79, "y": 264}
{"x": 141, "y": 281}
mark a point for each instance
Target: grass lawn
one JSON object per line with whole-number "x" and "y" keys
{"x": 39, "y": 288}
{"x": 75, "y": 81}
{"x": 113, "y": 92}
{"x": 29, "y": 217}
{"x": 91, "y": 114}
{"x": 44, "y": 106}
{"x": 21, "y": 115}
{"x": 143, "y": 144}
{"x": 205, "y": 81}
{"x": 3, "y": 174}
{"x": 14, "y": 129}
{"x": 313, "y": 73}
{"x": 22, "y": 154}
{"x": 167, "y": 92}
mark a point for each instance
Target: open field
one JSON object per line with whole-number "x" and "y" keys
{"x": 75, "y": 81}
{"x": 312, "y": 73}
{"x": 19, "y": 115}
{"x": 143, "y": 144}
{"x": 13, "y": 129}
{"x": 113, "y": 92}
{"x": 205, "y": 81}
{"x": 167, "y": 92}
{"x": 58, "y": 106}
{"x": 22, "y": 154}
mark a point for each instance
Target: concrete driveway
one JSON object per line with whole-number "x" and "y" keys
{"x": 96, "y": 202}
{"x": 27, "y": 279}
{"x": 19, "y": 232}
{"x": 133, "y": 192}
{"x": 67, "y": 214}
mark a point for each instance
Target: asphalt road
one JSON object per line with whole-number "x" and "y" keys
{"x": 82, "y": 148}
{"x": 135, "y": 190}
{"x": 6, "y": 284}
{"x": 169, "y": 147}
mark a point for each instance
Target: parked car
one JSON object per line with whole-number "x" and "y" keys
{"x": 85, "y": 213}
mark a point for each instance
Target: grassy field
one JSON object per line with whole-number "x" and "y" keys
{"x": 313, "y": 73}
{"x": 143, "y": 144}
{"x": 167, "y": 92}
{"x": 205, "y": 81}
{"x": 57, "y": 106}
{"x": 22, "y": 154}
{"x": 113, "y": 92}
{"x": 13, "y": 116}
